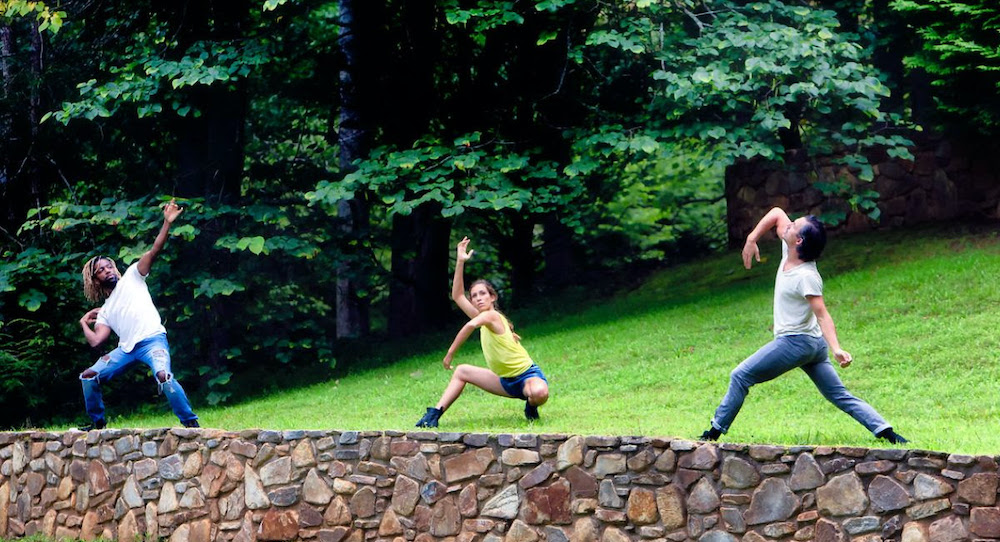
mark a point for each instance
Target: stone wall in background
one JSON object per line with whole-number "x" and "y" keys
{"x": 202, "y": 485}
{"x": 945, "y": 181}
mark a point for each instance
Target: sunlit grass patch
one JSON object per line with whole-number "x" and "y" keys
{"x": 920, "y": 311}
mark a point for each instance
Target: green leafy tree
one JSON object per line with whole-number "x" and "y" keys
{"x": 756, "y": 80}
{"x": 24, "y": 29}
{"x": 959, "y": 50}
{"x": 229, "y": 275}
{"x": 568, "y": 137}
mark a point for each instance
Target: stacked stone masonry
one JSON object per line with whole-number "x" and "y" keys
{"x": 945, "y": 180}
{"x": 204, "y": 485}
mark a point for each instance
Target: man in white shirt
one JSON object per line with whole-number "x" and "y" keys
{"x": 128, "y": 310}
{"x": 803, "y": 329}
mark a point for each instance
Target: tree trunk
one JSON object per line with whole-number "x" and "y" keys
{"x": 921, "y": 96}
{"x": 418, "y": 293}
{"x": 28, "y": 168}
{"x": 35, "y": 101}
{"x": 516, "y": 250}
{"x": 7, "y": 218}
{"x": 6, "y": 50}
{"x": 352, "y": 308}
{"x": 21, "y": 184}
{"x": 790, "y": 138}
{"x": 408, "y": 98}
{"x": 210, "y": 159}
{"x": 210, "y": 146}
{"x": 889, "y": 51}
{"x": 557, "y": 243}
{"x": 545, "y": 105}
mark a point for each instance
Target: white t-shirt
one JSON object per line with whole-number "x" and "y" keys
{"x": 792, "y": 313}
{"x": 129, "y": 310}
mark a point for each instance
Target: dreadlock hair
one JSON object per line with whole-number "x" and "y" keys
{"x": 92, "y": 289}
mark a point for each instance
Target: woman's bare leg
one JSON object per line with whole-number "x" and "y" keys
{"x": 470, "y": 374}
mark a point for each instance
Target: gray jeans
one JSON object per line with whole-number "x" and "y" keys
{"x": 777, "y": 358}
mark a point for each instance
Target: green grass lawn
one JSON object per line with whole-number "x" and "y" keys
{"x": 919, "y": 310}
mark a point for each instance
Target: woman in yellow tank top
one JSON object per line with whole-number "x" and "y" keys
{"x": 511, "y": 372}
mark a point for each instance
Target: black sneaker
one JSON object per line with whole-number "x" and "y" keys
{"x": 891, "y": 436}
{"x": 192, "y": 424}
{"x": 711, "y": 434}
{"x": 530, "y": 411}
{"x": 94, "y": 426}
{"x": 430, "y": 418}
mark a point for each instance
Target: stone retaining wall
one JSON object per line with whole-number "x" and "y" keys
{"x": 202, "y": 485}
{"x": 945, "y": 180}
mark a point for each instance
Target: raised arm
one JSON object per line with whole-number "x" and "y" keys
{"x": 458, "y": 282}
{"x": 829, "y": 330}
{"x": 170, "y": 213}
{"x": 775, "y": 218}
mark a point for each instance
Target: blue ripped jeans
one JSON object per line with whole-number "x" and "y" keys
{"x": 782, "y": 355}
{"x": 155, "y": 353}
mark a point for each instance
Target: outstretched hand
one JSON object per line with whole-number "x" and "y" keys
{"x": 171, "y": 211}
{"x": 463, "y": 255}
{"x": 750, "y": 252}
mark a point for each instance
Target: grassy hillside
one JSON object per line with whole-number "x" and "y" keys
{"x": 919, "y": 310}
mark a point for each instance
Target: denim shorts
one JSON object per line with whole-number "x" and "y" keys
{"x": 514, "y": 386}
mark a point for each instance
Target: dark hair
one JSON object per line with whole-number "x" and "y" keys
{"x": 489, "y": 288}
{"x": 813, "y": 236}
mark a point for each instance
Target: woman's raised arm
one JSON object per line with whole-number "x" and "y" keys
{"x": 458, "y": 282}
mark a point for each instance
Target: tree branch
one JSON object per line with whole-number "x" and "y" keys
{"x": 692, "y": 16}
{"x": 691, "y": 201}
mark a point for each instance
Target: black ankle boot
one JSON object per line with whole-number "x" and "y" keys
{"x": 711, "y": 434}
{"x": 95, "y": 425}
{"x": 891, "y": 436}
{"x": 430, "y": 418}
{"x": 530, "y": 411}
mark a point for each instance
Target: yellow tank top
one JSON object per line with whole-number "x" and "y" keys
{"x": 504, "y": 356}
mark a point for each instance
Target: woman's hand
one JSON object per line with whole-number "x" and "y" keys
{"x": 447, "y": 361}
{"x": 463, "y": 255}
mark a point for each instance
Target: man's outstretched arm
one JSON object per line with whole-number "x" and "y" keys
{"x": 170, "y": 213}
{"x": 775, "y": 218}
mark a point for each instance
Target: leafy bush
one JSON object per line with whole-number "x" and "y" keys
{"x": 222, "y": 297}
{"x": 958, "y": 47}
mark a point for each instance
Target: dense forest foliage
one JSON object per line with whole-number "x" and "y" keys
{"x": 328, "y": 153}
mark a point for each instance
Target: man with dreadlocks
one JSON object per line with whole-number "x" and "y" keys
{"x": 128, "y": 311}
